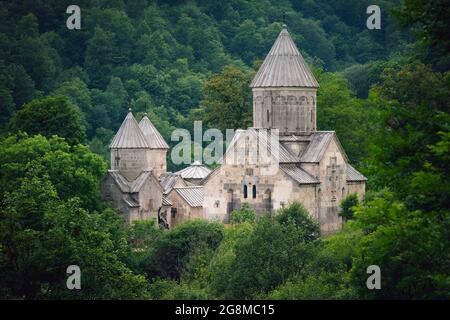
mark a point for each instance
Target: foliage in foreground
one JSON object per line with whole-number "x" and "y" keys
{"x": 41, "y": 235}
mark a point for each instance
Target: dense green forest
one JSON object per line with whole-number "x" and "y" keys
{"x": 63, "y": 94}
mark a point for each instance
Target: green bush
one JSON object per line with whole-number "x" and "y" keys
{"x": 244, "y": 214}
{"x": 274, "y": 250}
{"x": 347, "y": 206}
{"x": 172, "y": 250}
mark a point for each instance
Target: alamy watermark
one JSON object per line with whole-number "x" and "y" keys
{"x": 374, "y": 20}
{"x": 74, "y": 20}
{"x": 239, "y": 147}
{"x": 74, "y": 278}
{"x": 374, "y": 280}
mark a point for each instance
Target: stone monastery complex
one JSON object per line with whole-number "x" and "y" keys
{"x": 303, "y": 164}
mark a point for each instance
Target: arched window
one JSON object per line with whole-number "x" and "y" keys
{"x": 267, "y": 115}
{"x": 245, "y": 191}
{"x": 254, "y": 191}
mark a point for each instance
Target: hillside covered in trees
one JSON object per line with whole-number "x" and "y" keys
{"x": 63, "y": 93}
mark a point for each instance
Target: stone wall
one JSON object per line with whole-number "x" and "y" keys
{"x": 113, "y": 195}
{"x": 157, "y": 161}
{"x": 130, "y": 162}
{"x": 332, "y": 174}
{"x": 291, "y": 110}
{"x": 231, "y": 186}
{"x": 180, "y": 210}
{"x": 358, "y": 187}
{"x": 110, "y": 192}
{"x": 295, "y": 147}
{"x": 150, "y": 199}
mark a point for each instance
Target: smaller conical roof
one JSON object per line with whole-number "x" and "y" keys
{"x": 284, "y": 66}
{"x": 129, "y": 135}
{"x": 195, "y": 171}
{"x": 154, "y": 138}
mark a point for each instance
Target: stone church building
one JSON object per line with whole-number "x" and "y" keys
{"x": 281, "y": 159}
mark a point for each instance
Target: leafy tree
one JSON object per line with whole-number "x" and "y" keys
{"x": 42, "y": 235}
{"x": 414, "y": 112}
{"x": 429, "y": 20}
{"x": 100, "y": 143}
{"x": 248, "y": 39}
{"x": 16, "y": 88}
{"x": 7, "y": 105}
{"x": 73, "y": 170}
{"x": 347, "y": 206}
{"x": 142, "y": 236}
{"x": 79, "y": 95}
{"x": 276, "y": 249}
{"x": 338, "y": 109}
{"x": 116, "y": 88}
{"x": 244, "y": 214}
{"x": 404, "y": 244}
{"x": 21, "y": 85}
{"x": 50, "y": 116}
{"x": 227, "y": 99}
{"x": 222, "y": 263}
{"x": 327, "y": 273}
{"x": 32, "y": 51}
{"x": 175, "y": 246}
{"x": 297, "y": 216}
{"x": 101, "y": 55}
{"x": 164, "y": 289}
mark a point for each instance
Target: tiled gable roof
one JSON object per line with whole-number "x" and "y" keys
{"x": 298, "y": 174}
{"x": 354, "y": 175}
{"x": 168, "y": 180}
{"x": 193, "y": 195}
{"x": 120, "y": 180}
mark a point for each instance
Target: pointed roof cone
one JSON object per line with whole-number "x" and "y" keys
{"x": 195, "y": 171}
{"x": 284, "y": 66}
{"x": 129, "y": 135}
{"x": 152, "y": 135}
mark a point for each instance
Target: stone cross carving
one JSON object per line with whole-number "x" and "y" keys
{"x": 332, "y": 174}
{"x": 117, "y": 158}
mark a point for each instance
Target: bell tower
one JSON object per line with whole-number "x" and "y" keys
{"x": 157, "y": 144}
{"x": 284, "y": 90}
{"x": 130, "y": 151}
{"x": 138, "y": 147}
